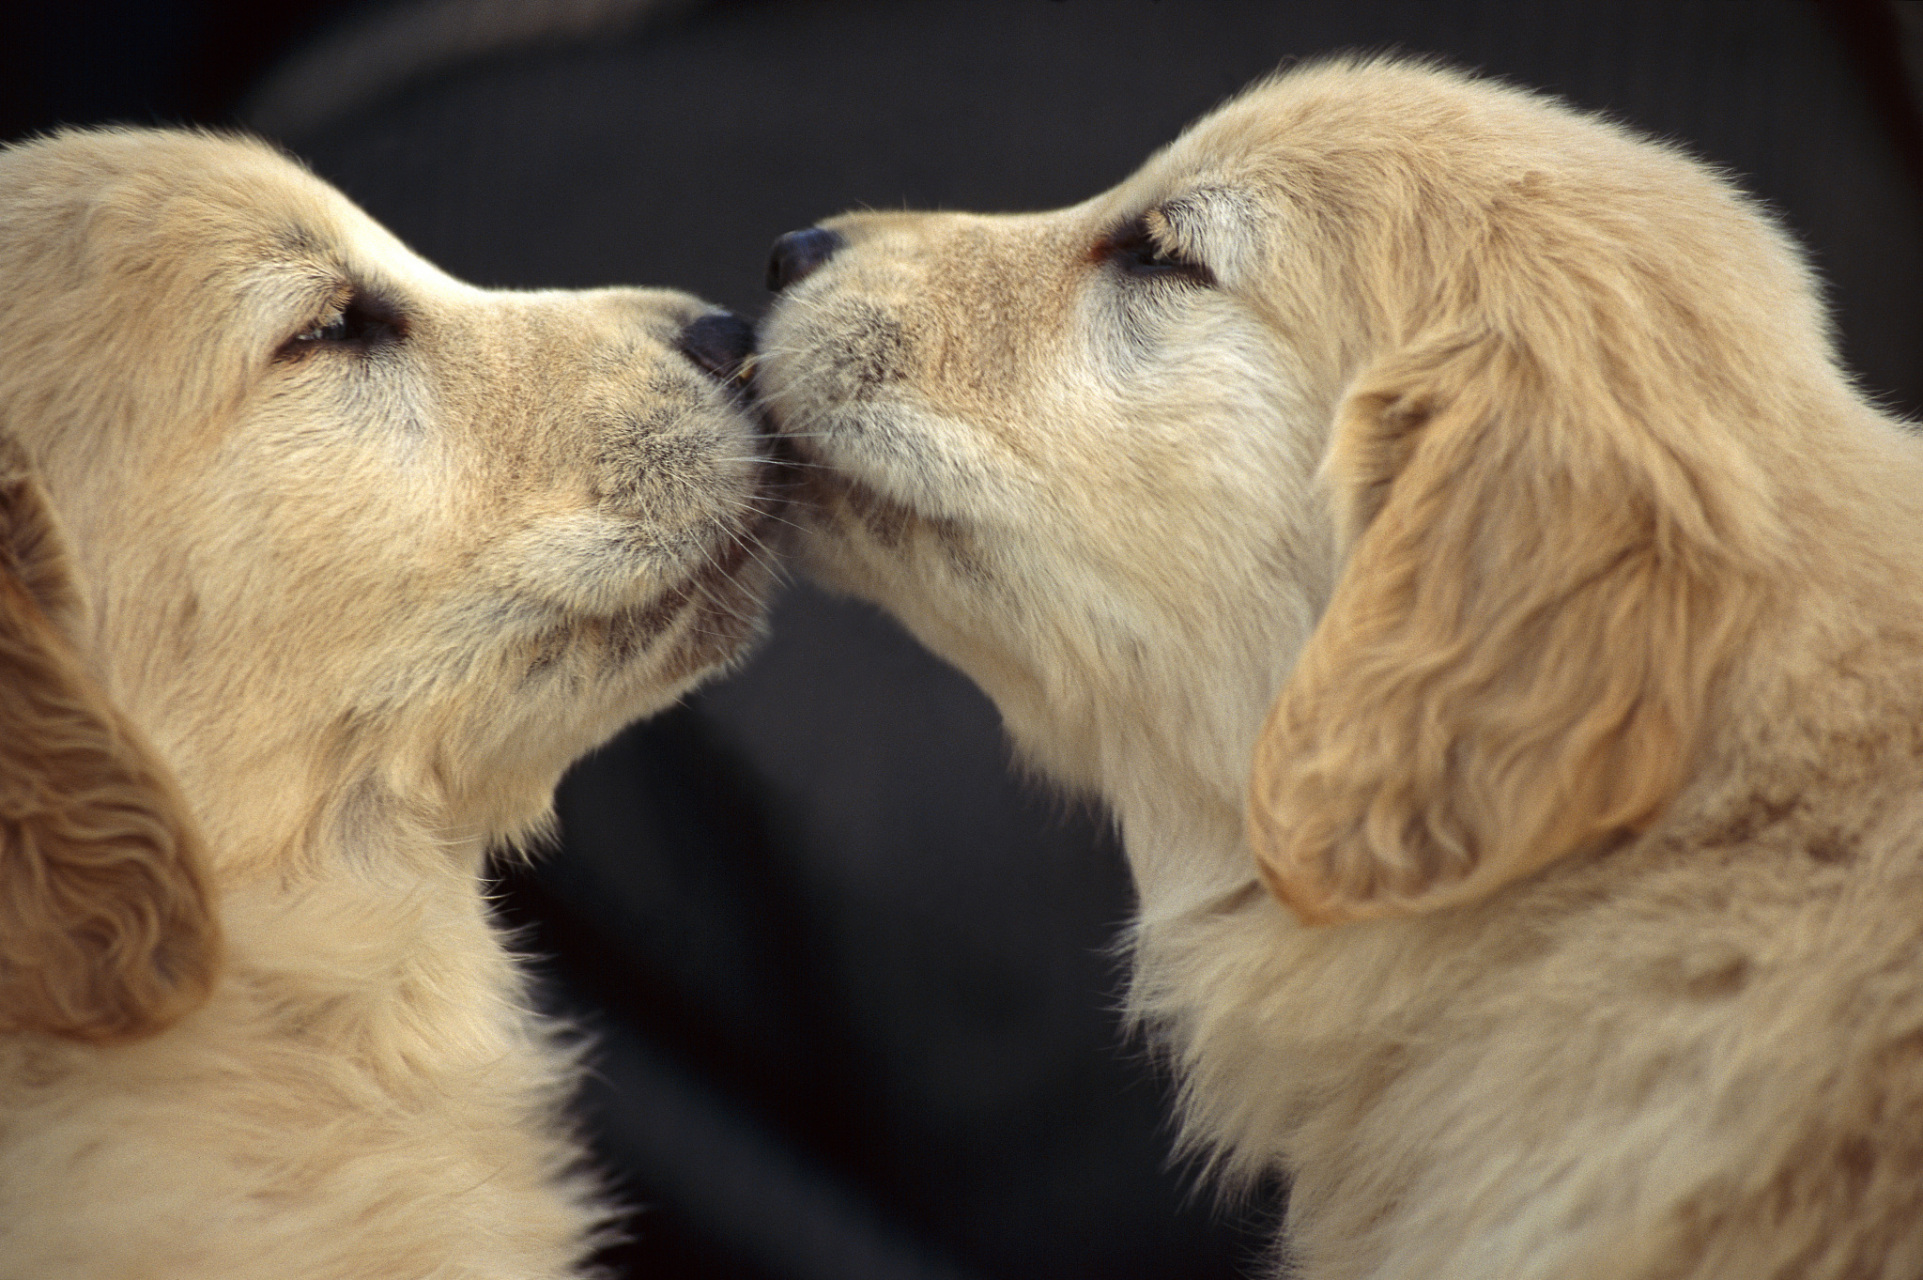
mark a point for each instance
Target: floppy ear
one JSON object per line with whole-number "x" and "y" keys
{"x": 105, "y": 926}
{"x": 1515, "y": 662}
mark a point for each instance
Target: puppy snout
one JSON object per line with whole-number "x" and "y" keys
{"x": 796, "y": 255}
{"x": 719, "y": 342}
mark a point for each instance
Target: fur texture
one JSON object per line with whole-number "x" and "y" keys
{"x": 1446, "y": 510}
{"x": 316, "y": 568}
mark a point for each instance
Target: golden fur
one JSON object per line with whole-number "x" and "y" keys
{"x": 316, "y": 568}
{"x": 1445, "y": 509}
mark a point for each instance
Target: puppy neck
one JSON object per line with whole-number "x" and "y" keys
{"x": 1185, "y": 858}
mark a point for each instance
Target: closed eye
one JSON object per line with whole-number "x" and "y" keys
{"x": 363, "y": 322}
{"x": 1135, "y": 251}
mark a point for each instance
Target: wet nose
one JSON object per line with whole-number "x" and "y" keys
{"x": 719, "y": 342}
{"x": 797, "y": 254}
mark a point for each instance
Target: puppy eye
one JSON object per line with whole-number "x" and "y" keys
{"x": 1137, "y": 253}
{"x": 334, "y": 331}
{"x": 365, "y": 322}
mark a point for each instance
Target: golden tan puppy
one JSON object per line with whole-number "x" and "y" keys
{"x": 1436, "y": 522}
{"x": 316, "y": 568}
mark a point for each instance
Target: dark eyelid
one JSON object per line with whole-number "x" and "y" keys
{"x": 366, "y": 317}
{"x": 1131, "y": 231}
{"x": 379, "y": 307}
{"x": 1135, "y": 248}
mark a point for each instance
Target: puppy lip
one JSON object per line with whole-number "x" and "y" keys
{"x": 741, "y": 574}
{"x": 810, "y": 480}
{"x": 784, "y": 448}
{"x": 769, "y": 496}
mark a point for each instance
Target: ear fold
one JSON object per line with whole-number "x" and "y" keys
{"x": 105, "y": 926}
{"x": 1515, "y": 662}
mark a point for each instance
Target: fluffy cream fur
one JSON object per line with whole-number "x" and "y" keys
{"x": 316, "y": 568}
{"x": 1446, "y": 510}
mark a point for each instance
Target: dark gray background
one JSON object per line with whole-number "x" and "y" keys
{"x": 848, "y": 974}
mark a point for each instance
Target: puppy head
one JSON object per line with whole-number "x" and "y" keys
{"x": 105, "y": 930}
{"x": 1070, "y": 456}
{"x": 1462, "y": 399}
{"x": 358, "y": 534}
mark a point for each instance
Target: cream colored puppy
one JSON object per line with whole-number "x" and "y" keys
{"x": 317, "y": 567}
{"x": 1436, "y": 522}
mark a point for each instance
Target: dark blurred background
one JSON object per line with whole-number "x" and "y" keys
{"x": 850, "y": 979}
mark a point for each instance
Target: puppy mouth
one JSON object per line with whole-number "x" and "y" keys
{"x": 826, "y": 496}
{"x": 836, "y": 507}
{"x": 710, "y": 612}
{"x": 729, "y": 589}
{"x": 743, "y": 558}
{"x": 812, "y": 483}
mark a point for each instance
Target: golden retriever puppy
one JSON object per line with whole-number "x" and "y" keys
{"x": 317, "y": 567}
{"x": 1437, "y": 524}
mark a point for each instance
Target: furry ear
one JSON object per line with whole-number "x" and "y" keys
{"x": 1516, "y": 660}
{"x": 106, "y": 931}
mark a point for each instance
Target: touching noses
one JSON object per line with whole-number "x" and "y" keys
{"x": 721, "y": 341}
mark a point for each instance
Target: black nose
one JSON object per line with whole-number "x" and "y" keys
{"x": 719, "y": 342}
{"x": 797, "y": 254}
